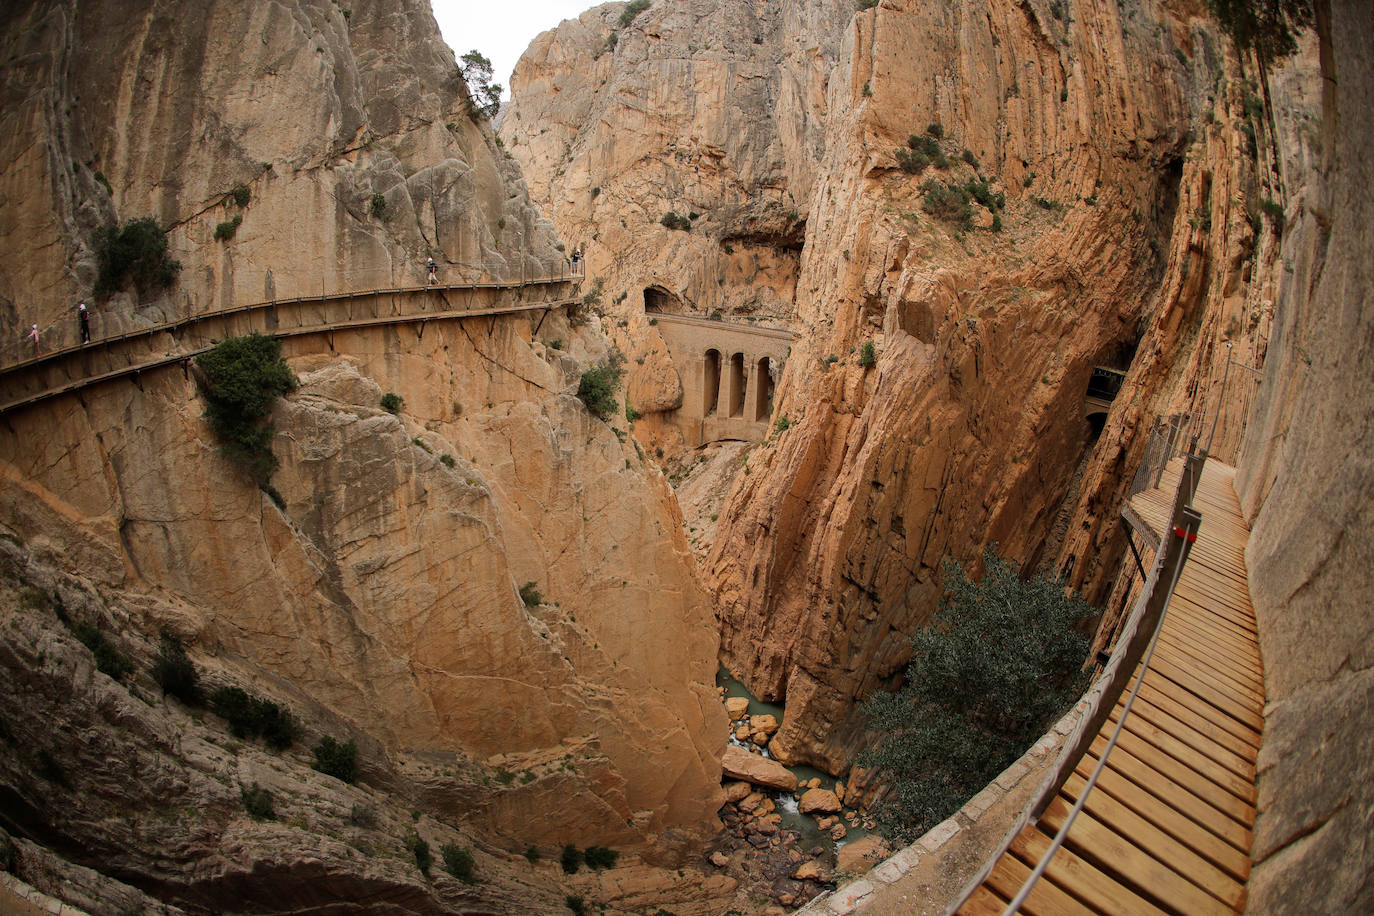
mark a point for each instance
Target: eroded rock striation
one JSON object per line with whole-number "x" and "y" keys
{"x": 374, "y": 590}
{"x": 1113, "y": 223}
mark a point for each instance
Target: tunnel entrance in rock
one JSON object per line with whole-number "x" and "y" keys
{"x": 659, "y": 300}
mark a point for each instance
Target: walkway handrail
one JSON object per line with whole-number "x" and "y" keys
{"x": 779, "y": 333}
{"x": 56, "y": 353}
{"x": 1176, "y": 555}
{"x": 1133, "y": 646}
{"x": 198, "y": 333}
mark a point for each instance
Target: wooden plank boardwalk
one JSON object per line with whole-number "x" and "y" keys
{"x": 139, "y": 350}
{"x": 1168, "y": 828}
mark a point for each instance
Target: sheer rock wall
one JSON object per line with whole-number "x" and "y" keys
{"x": 1306, "y": 478}
{"x": 380, "y": 602}
{"x": 1118, "y": 137}
{"x": 173, "y": 105}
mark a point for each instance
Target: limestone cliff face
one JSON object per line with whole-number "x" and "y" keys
{"x": 380, "y": 600}
{"x": 1117, "y": 138}
{"x": 148, "y": 792}
{"x": 712, "y": 111}
{"x": 153, "y": 108}
{"x": 384, "y": 591}
{"x": 968, "y": 429}
{"x": 1306, "y": 479}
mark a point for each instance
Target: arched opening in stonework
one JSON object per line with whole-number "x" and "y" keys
{"x": 659, "y": 300}
{"x": 735, "y": 386}
{"x": 1096, "y": 421}
{"x": 710, "y": 382}
{"x": 763, "y": 390}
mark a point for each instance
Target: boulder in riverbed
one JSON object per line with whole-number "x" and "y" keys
{"x": 818, "y": 801}
{"x": 740, "y": 764}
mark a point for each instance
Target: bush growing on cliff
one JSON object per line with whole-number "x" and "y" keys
{"x": 597, "y": 389}
{"x": 598, "y": 857}
{"x": 672, "y": 221}
{"x": 225, "y": 231}
{"x": 420, "y": 849}
{"x": 243, "y": 377}
{"x": 868, "y": 355}
{"x": 257, "y": 801}
{"x": 571, "y": 859}
{"x": 911, "y": 161}
{"x": 1274, "y": 210}
{"x": 1265, "y": 25}
{"x": 176, "y": 674}
{"x": 476, "y": 72}
{"x": 108, "y": 659}
{"x": 529, "y": 594}
{"x": 948, "y": 202}
{"x": 628, "y": 14}
{"x": 458, "y": 863}
{"x": 337, "y": 760}
{"x": 137, "y": 252}
{"x": 391, "y": 402}
{"x": 253, "y": 717}
{"x": 998, "y": 663}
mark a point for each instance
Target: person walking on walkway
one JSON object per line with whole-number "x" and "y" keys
{"x": 33, "y": 336}
{"x": 85, "y": 316}
{"x": 433, "y": 272}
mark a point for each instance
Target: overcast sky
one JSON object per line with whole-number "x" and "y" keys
{"x": 501, "y": 29}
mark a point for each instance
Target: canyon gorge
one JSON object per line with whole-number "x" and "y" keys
{"x": 515, "y": 607}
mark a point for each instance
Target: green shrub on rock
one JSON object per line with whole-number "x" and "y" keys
{"x": 257, "y": 801}
{"x": 420, "y": 849}
{"x": 597, "y": 389}
{"x": 948, "y": 202}
{"x": 176, "y": 674}
{"x": 135, "y": 252}
{"x": 1000, "y": 661}
{"x": 458, "y": 862}
{"x": 598, "y": 857}
{"x": 254, "y": 717}
{"x": 337, "y": 760}
{"x": 243, "y": 377}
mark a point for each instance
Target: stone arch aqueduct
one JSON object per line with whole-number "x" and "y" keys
{"x": 729, "y": 374}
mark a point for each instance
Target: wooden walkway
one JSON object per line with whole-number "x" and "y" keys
{"x": 139, "y": 350}
{"x": 1168, "y": 828}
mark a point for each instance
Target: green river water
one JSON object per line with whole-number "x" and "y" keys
{"x": 803, "y": 824}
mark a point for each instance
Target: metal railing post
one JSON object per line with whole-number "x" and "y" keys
{"x": 1132, "y": 651}
{"x": 1137, "y": 656}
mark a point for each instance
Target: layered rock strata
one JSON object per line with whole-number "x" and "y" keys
{"x": 1117, "y": 220}
{"x": 969, "y": 427}
{"x": 375, "y": 594}
{"x": 679, "y": 152}
{"x": 349, "y": 129}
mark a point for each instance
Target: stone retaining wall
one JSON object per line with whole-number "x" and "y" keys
{"x": 19, "y": 899}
